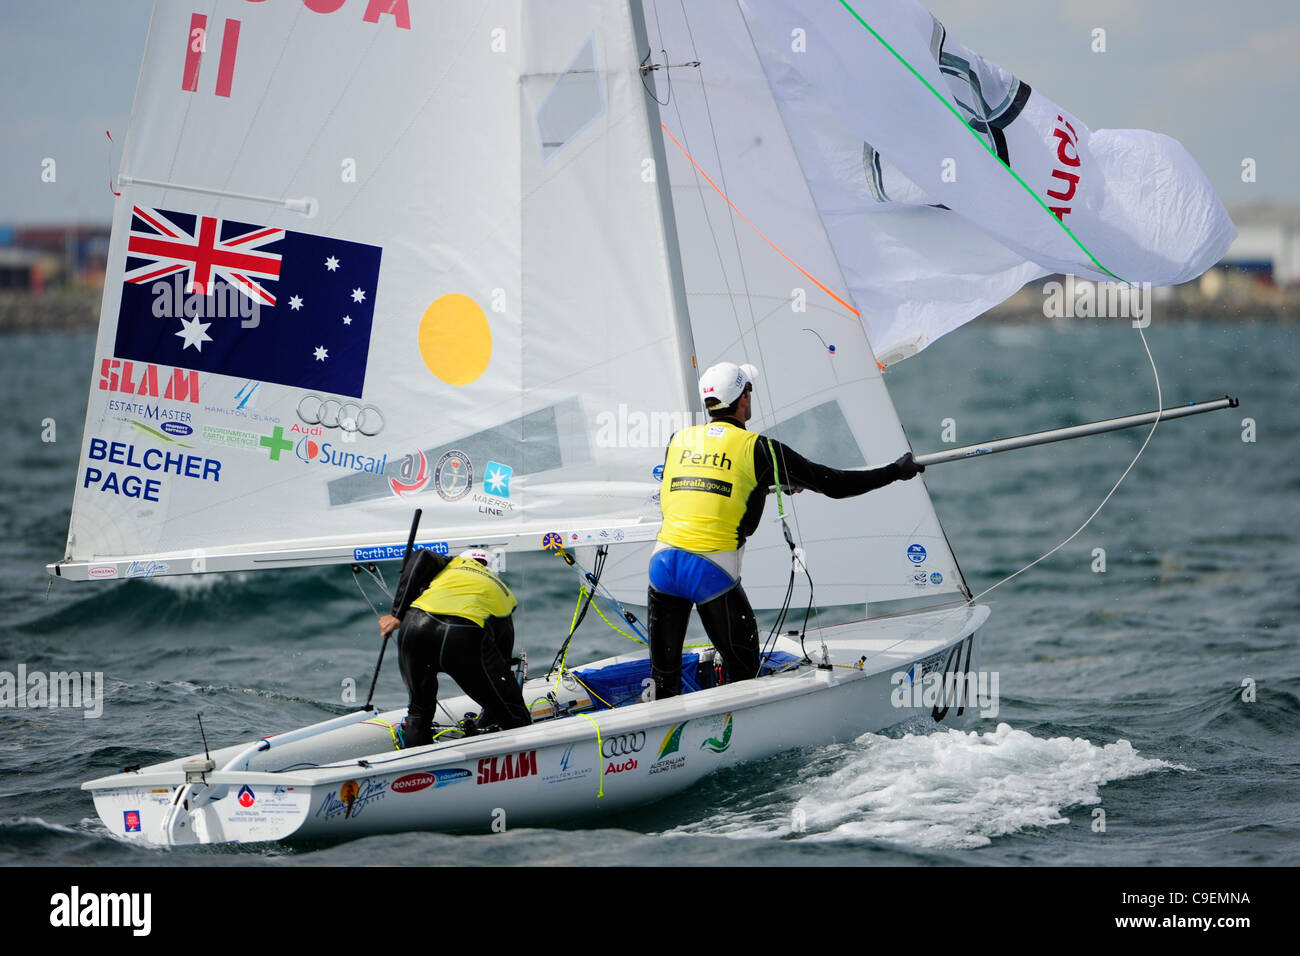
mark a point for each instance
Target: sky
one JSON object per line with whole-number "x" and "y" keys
{"x": 1215, "y": 75}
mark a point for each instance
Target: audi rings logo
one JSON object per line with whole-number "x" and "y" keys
{"x": 349, "y": 416}
{"x": 623, "y": 745}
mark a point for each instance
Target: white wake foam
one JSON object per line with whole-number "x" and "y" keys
{"x": 946, "y": 790}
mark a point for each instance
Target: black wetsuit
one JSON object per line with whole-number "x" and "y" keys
{"x": 729, "y": 619}
{"x": 476, "y": 657}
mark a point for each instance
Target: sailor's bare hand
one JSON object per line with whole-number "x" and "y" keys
{"x": 388, "y": 624}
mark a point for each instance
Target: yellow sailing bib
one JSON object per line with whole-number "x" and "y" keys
{"x": 467, "y": 589}
{"x": 708, "y": 477}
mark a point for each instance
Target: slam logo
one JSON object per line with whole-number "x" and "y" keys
{"x": 132, "y": 378}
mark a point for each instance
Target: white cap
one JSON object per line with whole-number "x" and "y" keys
{"x": 476, "y": 554}
{"x": 726, "y": 382}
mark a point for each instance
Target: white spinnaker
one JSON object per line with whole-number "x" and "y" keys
{"x": 498, "y": 154}
{"x": 882, "y": 152}
{"x": 769, "y": 291}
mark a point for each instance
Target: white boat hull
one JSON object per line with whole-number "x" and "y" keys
{"x": 345, "y": 779}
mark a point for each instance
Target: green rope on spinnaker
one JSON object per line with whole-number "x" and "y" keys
{"x": 952, "y": 109}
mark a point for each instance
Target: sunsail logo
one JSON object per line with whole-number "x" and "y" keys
{"x": 324, "y": 453}
{"x": 133, "y": 379}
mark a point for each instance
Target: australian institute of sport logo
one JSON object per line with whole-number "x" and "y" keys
{"x": 454, "y": 476}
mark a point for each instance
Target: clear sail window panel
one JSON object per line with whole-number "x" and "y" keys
{"x": 573, "y": 103}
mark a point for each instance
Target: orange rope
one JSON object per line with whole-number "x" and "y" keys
{"x": 755, "y": 228}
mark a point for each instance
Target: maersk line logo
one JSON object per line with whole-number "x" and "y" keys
{"x": 496, "y": 480}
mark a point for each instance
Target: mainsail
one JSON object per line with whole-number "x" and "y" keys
{"x": 373, "y": 258}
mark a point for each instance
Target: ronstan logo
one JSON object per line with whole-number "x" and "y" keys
{"x": 412, "y": 782}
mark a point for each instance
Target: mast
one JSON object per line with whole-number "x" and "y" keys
{"x": 681, "y": 311}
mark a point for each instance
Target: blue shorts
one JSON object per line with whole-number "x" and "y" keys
{"x": 688, "y": 575}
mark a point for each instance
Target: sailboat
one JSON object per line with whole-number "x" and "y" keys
{"x": 470, "y": 258}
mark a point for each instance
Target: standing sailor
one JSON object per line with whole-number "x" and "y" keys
{"x": 460, "y": 624}
{"x": 716, "y": 479}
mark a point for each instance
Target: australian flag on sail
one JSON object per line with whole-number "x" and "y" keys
{"x": 252, "y": 302}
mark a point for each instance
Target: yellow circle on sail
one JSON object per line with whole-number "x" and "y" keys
{"x": 455, "y": 341}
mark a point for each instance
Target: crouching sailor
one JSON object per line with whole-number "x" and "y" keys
{"x": 460, "y": 623}
{"x": 716, "y": 479}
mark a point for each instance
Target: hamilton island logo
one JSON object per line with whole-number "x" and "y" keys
{"x": 453, "y": 476}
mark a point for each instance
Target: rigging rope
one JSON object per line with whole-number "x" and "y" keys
{"x": 1160, "y": 405}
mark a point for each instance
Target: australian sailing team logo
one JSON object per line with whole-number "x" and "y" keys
{"x": 453, "y": 476}
{"x": 669, "y": 757}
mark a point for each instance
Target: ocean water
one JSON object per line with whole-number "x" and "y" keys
{"x": 1160, "y": 696}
